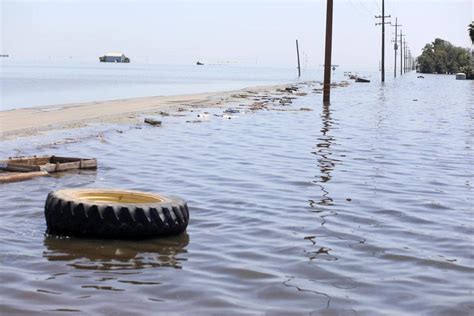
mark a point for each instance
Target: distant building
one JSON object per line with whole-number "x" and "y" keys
{"x": 114, "y": 58}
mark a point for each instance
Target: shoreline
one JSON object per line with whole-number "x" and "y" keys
{"x": 32, "y": 121}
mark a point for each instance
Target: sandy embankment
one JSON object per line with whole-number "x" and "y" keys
{"x": 30, "y": 121}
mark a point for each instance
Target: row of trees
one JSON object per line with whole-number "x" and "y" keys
{"x": 443, "y": 57}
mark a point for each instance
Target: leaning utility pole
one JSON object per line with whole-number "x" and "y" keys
{"x": 395, "y": 47}
{"x": 298, "y": 56}
{"x": 327, "y": 57}
{"x": 383, "y": 37}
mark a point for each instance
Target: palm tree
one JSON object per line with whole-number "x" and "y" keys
{"x": 471, "y": 31}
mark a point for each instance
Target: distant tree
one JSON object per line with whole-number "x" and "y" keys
{"x": 471, "y": 31}
{"x": 443, "y": 57}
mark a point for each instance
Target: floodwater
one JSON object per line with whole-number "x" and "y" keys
{"x": 53, "y": 83}
{"x": 364, "y": 207}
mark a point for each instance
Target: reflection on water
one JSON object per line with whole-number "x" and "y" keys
{"x": 325, "y": 161}
{"x": 96, "y": 254}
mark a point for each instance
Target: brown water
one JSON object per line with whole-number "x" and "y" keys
{"x": 365, "y": 207}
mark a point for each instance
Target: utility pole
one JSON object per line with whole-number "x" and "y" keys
{"x": 395, "y": 47}
{"x": 327, "y": 57}
{"x": 405, "y": 56}
{"x": 383, "y": 37}
{"x": 401, "y": 52}
{"x": 298, "y": 56}
{"x": 409, "y": 60}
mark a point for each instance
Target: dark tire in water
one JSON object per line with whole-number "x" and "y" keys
{"x": 108, "y": 213}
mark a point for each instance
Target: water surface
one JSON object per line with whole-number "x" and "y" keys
{"x": 361, "y": 208}
{"x": 50, "y": 83}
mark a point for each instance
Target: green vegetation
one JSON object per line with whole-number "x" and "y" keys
{"x": 443, "y": 57}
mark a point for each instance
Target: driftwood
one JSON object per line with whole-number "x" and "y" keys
{"x": 20, "y": 176}
{"x": 23, "y": 168}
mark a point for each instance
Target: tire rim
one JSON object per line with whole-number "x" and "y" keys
{"x": 103, "y": 196}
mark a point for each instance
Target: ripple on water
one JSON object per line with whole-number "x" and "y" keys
{"x": 363, "y": 207}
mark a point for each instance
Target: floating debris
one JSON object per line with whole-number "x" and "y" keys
{"x": 285, "y": 101}
{"x": 204, "y": 115}
{"x": 152, "y": 121}
{"x": 362, "y": 80}
{"x": 25, "y": 168}
{"x": 231, "y": 111}
{"x": 240, "y": 96}
{"x": 291, "y": 89}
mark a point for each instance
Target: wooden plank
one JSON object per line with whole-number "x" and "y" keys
{"x": 56, "y": 167}
{"x": 13, "y": 177}
{"x": 29, "y": 160}
{"x": 15, "y": 167}
{"x": 89, "y": 164}
{"x": 81, "y": 164}
{"x": 55, "y": 159}
{"x": 24, "y": 168}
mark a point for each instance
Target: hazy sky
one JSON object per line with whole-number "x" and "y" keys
{"x": 241, "y": 31}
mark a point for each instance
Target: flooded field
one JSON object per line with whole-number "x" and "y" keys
{"x": 361, "y": 208}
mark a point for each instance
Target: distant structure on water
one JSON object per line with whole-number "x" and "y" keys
{"x": 199, "y": 63}
{"x": 114, "y": 58}
{"x": 5, "y": 55}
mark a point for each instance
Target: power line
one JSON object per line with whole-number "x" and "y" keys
{"x": 377, "y": 5}
{"x": 367, "y": 10}
{"x": 358, "y": 8}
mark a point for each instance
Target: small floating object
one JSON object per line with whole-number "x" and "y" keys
{"x": 421, "y": 77}
{"x": 25, "y": 168}
{"x": 285, "y": 101}
{"x": 291, "y": 89}
{"x": 460, "y": 76}
{"x": 112, "y": 213}
{"x": 152, "y": 121}
{"x": 362, "y": 80}
{"x": 231, "y": 111}
{"x": 203, "y": 116}
{"x": 199, "y": 63}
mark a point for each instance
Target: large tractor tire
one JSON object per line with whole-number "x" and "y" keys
{"x": 108, "y": 213}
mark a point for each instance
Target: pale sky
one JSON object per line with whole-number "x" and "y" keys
{"x": 259, "y": 32}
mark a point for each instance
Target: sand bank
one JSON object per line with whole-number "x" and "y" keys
{"x": 30, "y": 121}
